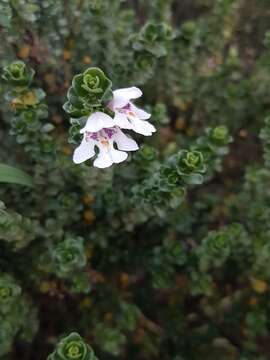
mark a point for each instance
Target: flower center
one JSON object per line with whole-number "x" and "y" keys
{"x": 130, "y": 113}
{"x": 103, "y": 136}
{"x": 127, "y": 111}
{"x": 105, "y": 142}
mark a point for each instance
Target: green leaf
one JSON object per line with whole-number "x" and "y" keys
{"x": 9, "y": 174}
{"x": 194, "y": 179}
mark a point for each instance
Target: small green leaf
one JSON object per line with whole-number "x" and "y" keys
{"x": 9, "y": 174}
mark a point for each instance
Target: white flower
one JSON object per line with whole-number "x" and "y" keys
{"x": 104, "y": 139}
{"x": 127, "y": 115}
{"x": 102, "y": 132}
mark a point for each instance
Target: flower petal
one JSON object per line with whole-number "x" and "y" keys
{"x": 121, "y": 120}
{"x": 122, "y": 96}
{"x": 140, "y": 113}
{"x": 107, "y": 158}
{"x": 118, "y": 156}
{"x": 103, "y": 160}
{"x": 84, "y": 152}
{"x": 109, "y": 155}
{"x": 142, "y": 127}
{"x": 124, "y": 142}
{"x": 97, "y": 121}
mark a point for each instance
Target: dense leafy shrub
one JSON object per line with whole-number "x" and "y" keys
{"x": 167, "y": 254}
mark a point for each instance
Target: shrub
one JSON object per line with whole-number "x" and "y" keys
{"x": 163, "y": 255}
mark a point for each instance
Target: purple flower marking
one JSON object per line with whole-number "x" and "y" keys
{"x": 110, "y": 132}
{"x": 93, "y": 136}
{"x": 127, "y": 107}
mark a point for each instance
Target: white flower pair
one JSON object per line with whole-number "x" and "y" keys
{"x": 103, "y": 131}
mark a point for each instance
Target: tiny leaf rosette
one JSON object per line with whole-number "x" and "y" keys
{"x": 18, "y": 74}
{"x": 89, "y": 92}
{"x": 68, "y": 256}
{"x": 153, "y": 38}
{"x": 220, "y": 135}
{"x": 144, "y": 61}
{"x": 72, "y": 347}
{"x": 190, "y": 165}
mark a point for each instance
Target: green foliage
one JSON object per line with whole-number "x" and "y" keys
{"x": 67, "y": 260}
{"x": 189, "y": 162}
{"x": 6, "y": 13}
{"x": 265, "y": 137}
{"x": 88, "y": 93}
{"x": 218, "y": 246}
{"x": 165, "y": 256}
{"x": 163, "y": 262}
{"x": 109, "y": 339}
{"x": 16, "y": 230}
{"x": 169, "y": 182}
{"x": 18, "y": 316}
{"x": 72, "y": 347}
{"x": 152, "y": 38}
{"x": 68, "y": 256}
{"x": 18, "y": 74}
{"x": 29, "y": 109}
{"x": 9, "y": 174}
{"x": 9, "y": 293}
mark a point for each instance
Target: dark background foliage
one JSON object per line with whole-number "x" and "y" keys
{"x": 166, "y": 255}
